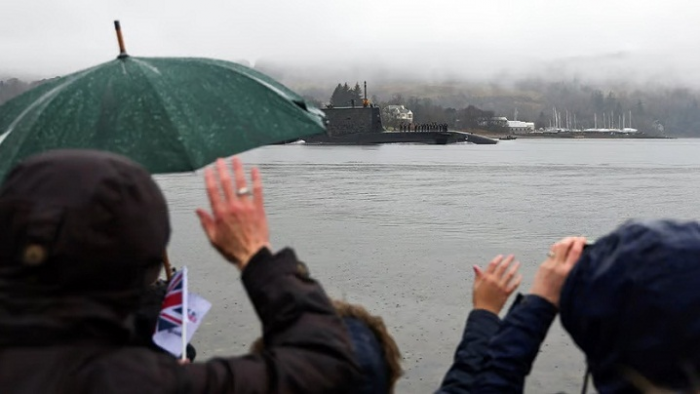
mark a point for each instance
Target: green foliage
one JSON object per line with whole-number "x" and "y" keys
{"x": 654, "y": 110}
{"x": 673, "y": 108}
{"x": 357, "y": 92}
{"x": 426, "y": 112}
{"x": 541, "y": 121}
{"x": 344, "y": 96}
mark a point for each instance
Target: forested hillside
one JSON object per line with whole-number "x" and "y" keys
{"x": 653, "y": 109}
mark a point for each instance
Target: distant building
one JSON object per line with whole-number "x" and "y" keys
{"x": 498, "y": 121}
{"x": 516, "y": 126}
{"x": 398, "y": 114}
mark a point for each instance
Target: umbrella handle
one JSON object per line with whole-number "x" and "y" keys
{"x": 120, "y": 39}
{"x": 166, "y": 265}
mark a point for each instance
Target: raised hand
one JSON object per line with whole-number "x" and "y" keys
{"x": 553, "y": 271}
{"x": 237, "y": 226}
{"x": 493, "y": 286}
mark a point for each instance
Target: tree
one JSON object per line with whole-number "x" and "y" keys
{"x": 541, "y": 121}
{"x": 347, "y": 95}
{"x": 610, "y": 102}
{"x": 398, "y": 99}
{"x": 343, "y": 96}
{"x": 640, "y": 108}
{"x": 357, "y": 93}
{"x": 471, "y": 117}
{"x": 337, "y": 96}
{"x": 598, "y": 101}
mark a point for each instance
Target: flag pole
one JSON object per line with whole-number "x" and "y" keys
{"x": 185, "y": 313}
{"x": 166, "y": 266}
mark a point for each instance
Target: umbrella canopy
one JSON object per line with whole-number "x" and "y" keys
{"x": 168, "y": 114}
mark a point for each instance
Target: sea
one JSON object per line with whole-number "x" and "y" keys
{"x": 397, "y": 229}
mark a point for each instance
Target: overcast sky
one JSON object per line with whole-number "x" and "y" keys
{"x": 450, "y": 38}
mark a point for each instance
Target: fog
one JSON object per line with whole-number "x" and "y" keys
{"x": 435, "y": 40}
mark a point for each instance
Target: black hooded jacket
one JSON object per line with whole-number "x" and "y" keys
{"x": 80, "y": 229}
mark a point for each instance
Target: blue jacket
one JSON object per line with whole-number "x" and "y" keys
{"x": 480, "y": 328}
{"x": 630, "y": 304}
{"x": 511, "y": 352}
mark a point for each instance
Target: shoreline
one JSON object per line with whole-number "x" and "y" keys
{"x": 582, "y": 135}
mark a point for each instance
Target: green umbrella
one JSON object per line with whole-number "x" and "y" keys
{"x": 169, "y": 114}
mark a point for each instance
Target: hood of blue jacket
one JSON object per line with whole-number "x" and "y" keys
{"x": 632, "y": 304}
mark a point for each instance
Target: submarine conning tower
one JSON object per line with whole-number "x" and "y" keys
{"x": 354, "y": 119}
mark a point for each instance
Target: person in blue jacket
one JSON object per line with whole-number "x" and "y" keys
{"x": 513, "y": 349}
{"x": 492, "y": 287}
{"x": 630, "y": 302}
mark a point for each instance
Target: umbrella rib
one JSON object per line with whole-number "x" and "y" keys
{"x": 154, "y": 69}
{"x": 44, "y": 99}
{"x": 288, "y": 95}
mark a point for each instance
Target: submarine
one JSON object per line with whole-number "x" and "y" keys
{"x": 362, "y": 125}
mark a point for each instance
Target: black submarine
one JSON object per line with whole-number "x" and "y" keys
{"x": 362, "y": 125}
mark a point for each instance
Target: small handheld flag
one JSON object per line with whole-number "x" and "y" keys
{"x": 174, "y": 329}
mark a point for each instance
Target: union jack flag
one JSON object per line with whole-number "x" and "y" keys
{"x": 170, "y": 327}
{"x": 171, "y": 310}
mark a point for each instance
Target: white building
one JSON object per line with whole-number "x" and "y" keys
{"x": 516, "y": 126}
{"x": 398, "y": 113}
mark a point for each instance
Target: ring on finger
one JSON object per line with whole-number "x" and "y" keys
{"x": 244, "y": 191}
{"x": 550, "y": 254}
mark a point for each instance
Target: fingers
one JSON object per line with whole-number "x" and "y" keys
{"x": 213, "y": 191}
{"x": 503, "y": 266}
{"x": 510, "y": 274}
{"x": 494, "y": 264}
{"x": 225, "y": 179}
{"x": 257, "y": 187}
{"x": 478, "y": 272}
{"x": 207, "y": 222}
{"x": 514, "y": 284}
{"x": 222, "y": 177}
{"x": 568, "y": 250}
{"x": 575, "y": 251}
{"x": 238, "y": 173}
{"x": 560, "y": 250}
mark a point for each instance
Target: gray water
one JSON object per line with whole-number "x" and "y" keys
{"x": 397, "y": 228}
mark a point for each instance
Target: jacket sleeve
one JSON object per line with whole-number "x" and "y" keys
{"x": 307, "y": 348}
{"x": 481, "y": 326}
{"x": 513, "y": 350}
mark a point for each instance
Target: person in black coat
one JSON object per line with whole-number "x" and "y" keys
{"x": 146, "y": 317}
{"x": 375, "y": 349}
{"x": 81, "y": 233}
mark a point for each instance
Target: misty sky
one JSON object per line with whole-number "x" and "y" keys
{"x": 437, "y": 38}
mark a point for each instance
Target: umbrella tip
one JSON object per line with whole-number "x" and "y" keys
{"x": 120, "y": 39}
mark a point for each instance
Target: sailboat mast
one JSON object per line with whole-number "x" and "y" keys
{"x": 630, "y": 119}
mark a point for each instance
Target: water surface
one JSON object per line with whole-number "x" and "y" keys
{"x": 398, "y": 227}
